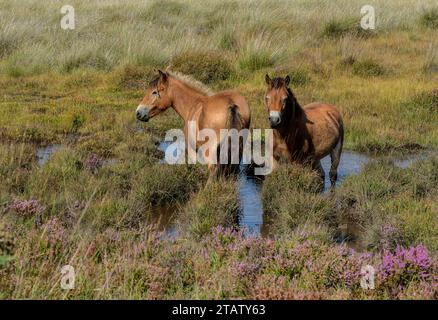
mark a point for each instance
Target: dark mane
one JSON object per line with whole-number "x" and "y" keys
{"x": 280, "y": 82}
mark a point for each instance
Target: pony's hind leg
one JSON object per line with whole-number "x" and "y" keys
{"x": 320, "y": 170}
{"x": 335, "y": 156}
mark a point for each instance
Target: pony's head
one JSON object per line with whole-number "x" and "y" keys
{"x": 157, "y": 98}
{"x": 278, "y": 99}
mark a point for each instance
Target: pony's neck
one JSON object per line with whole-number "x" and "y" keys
{"x": 290, "y": 128}
{"x": 184, "y": 98}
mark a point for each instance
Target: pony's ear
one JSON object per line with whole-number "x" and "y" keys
{"x": 268, "y": 80}
{"x": 287, "y": 80}
{"x": 163, "y": 76}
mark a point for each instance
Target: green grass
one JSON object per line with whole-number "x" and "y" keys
{"x": 207, "y": 67}
{"x": 367, "y": 68}
{"x": 215, "y": 205}
{"x": 384, "y": 197}
{"x": 429, "y": 18}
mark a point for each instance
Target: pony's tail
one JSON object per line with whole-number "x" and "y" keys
{"x": 234, "y": 121}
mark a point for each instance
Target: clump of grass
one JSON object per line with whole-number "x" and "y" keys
{"x": 214, "y": 205}
{"x": 290, "y": 196}
{"x": 133, "y": 76}
{"x": 100, "y": 144}
{"x": 427, "y": 100}
{"x": 162, "y": 12}
{"x": 382, "y": 147}
{"x": 77, "y": 121}
{"x": 367, "y": 68}
{"x": 88, "y": 60}
{"x": 160, "y": 184}
{"x": 29, "y": 60}
{"x": 7, "y": 46}
{"x": 429, "y": 18}
{"x": 335, "y": 29}
{"x": 289, "y": 178}
{"x": 339, "y": 28}
{"x": 393, "y": 205}
{"x": 256, "y": 60}
{"x": 227, "y": 41}
{"x": 348, "y": 61}
{"x": 299, "y": 77}
{"x": 207, "y": 67}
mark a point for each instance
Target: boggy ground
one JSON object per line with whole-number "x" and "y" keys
{"x": 91, "y": 205}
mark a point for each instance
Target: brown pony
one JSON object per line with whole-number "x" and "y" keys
{"x": 304, "y": 135}
{"x": 194, "y": 102}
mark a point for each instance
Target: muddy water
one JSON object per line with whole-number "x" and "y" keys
{"x": 44, "y": 153}
{"x": 163, "y": 219}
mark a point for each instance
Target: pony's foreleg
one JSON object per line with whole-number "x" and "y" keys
{"x": 335, "y": 156}
{"x": 213, "y": 165}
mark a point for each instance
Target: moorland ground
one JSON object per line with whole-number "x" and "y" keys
{"x": 92, "y": 203}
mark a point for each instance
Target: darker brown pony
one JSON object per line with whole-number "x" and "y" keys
{"x": 193, "y": 102}
{"x": 303, "y": 134}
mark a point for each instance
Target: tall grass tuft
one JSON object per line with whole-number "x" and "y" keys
{"x": 367, "y": 68}
{"x": 429, "y": 18}
{"x": 207, "y": 67}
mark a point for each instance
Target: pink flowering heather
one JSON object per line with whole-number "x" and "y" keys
{"x": 405, "y": 265}
{"x": 241, "y": 269}
{"x": 55, "y": 231}
{"x": 26, "y": 208}
{"x": 93, "y": 163}
{"x": 388, "y": 236}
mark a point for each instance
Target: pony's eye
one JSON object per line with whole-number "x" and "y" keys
{"x": 155, "y": 92}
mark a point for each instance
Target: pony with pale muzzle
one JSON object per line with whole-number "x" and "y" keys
{"x": 303, "y": 134}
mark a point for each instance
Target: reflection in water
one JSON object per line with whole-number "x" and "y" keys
{"x": 163, "y": 218}
{"x": 251, "y": 207}
{"x": 353, "y": 162}
{"x": 43, "y": 154}
{"x": 348, "y": 233}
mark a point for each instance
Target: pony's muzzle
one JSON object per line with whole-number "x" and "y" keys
{"x": 274, "y": 118}
{"x": 142, "y": 113}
